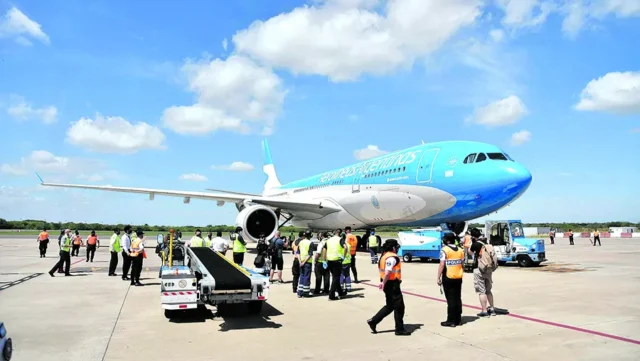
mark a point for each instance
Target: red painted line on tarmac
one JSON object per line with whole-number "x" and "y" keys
{"x": 78, "y": 261}
{"x": 537, "y": 320}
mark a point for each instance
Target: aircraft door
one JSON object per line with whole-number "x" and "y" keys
{"x": 355, "y": 187}
{"x": 425, "y": 168}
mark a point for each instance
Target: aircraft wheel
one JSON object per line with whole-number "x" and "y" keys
{"x": 407, "y": 258}
{"x": 8, "y": 350}
{"x": 255, "y": 306}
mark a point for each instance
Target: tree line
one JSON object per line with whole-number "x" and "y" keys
{"x": 30, "y": 224}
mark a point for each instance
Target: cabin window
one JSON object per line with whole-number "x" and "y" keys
{"x": 481, "y": 158}
{"x": 470, "y": 158}
{"x": 497, "y": 156}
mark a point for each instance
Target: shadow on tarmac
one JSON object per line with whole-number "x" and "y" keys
{"x": 410, "y": 327}
{"x": 236, "y": 317}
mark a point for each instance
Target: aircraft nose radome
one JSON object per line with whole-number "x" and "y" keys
{"x": 520, "y": 175}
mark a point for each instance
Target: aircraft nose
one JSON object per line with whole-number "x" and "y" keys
{"x": 519, "y": 175}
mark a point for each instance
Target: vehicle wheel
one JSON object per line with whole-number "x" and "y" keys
{"x": 8, "y": 350}
{"x": 255, "y": 307}
{"x": 407, "y": 258}
{"x": 168, "y": 314}
{"x": 524, "y": 261}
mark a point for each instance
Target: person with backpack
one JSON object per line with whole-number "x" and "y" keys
{"x": 486, "y": 262}
{"x": 450, "y": 275}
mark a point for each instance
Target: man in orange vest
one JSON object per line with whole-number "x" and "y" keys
{"x": 43, "y": 241}
{"x": 450, "y": 274}
{"x": 92, "y": 241}
{"x": 352, "y": 240}
{"x": 77, "y": 242}
{"x": 390, "y": 271}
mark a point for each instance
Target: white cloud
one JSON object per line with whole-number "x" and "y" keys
{"x": 525, "y": 13}
{"x": 194, "y": 177}
{"x": 496, "y": 35}
{"x": 502, "y": 112}
{"x": 520, "y": 137}
{"x": 235, "y": 166}
{"x": 17, "y": 25}
{"x": 345, "y": 39}
{"x": 617, "y": 92}
{"x": 20, "y": 109}
{"x": 371, "y": 151}
{"x": 581, "y": 12}
{"x": 114, "y": 135}
{"x": 234, "y": 94}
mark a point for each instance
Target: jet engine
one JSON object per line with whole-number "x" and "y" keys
{"x": 256, "y": 220}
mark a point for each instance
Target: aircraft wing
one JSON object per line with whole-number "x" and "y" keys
{"x": 292, "y": 206}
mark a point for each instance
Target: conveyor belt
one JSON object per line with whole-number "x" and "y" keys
{"x": 227, "y": 275}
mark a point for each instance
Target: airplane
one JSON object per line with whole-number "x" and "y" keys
{"x": 432, "y": 184}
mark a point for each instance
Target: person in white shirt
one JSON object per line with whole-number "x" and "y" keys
{"x": 219, "y": 244}
{"x": 125, "y": 243}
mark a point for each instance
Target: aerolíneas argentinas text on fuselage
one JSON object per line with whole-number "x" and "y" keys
{"x": 426, "y": 185}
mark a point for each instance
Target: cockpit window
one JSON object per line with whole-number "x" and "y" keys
{"x": 481, "y": 158}
{"x": 470, "y": 158}
{"x": 497, "y": 156}
{"x": 508, "y": 157}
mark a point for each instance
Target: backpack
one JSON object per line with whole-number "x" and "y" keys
{"x": 488, "y": 261}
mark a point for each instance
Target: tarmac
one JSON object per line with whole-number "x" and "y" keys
{"x": 583, "y": 304}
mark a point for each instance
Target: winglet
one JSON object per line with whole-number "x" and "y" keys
{"x": 267, "y": 153}
{"x": 38, "y": 175}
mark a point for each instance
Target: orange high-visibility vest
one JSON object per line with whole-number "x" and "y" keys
{"x": 467, "y": 241}
{"x": 454, "y": 262}
{"x": 353, "y": 242}
{"x": 92, "y": 240}
{"x": 396, "y": 272}
{"x": 44, "y": 235}
{"x": 77, "y": 240}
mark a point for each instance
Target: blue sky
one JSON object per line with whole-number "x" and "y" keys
{"x": 176, "y": 95}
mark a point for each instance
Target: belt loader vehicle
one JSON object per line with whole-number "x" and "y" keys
{"x": 193, "y": 276}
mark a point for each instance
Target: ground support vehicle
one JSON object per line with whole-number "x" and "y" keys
{"x": 6, "y": 344}
{"x": 424, "y": 244}
{"x": 510, "y": 244}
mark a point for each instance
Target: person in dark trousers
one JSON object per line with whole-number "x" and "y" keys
{"x": 114, "y": 249}
{"x": 295, "y": 269}
{"x": 77, "y": 243}
{"x": 570, "y": 238}
{"x": 390, "y": 270}
{"x": 65, "y": 256}
{"x": 239, "y": 247}
{"x": 92, "y": 244}
{"x": 353, "y": 242}
{"x": 62, "y": 232}
{"x": 43, "y": 242}
{"x": 136, "y": 253}
{"x": 321, "y": 268}
{"x": 335, "y": 252}
{"x": 596, "y": 238}
{"x": 552, "y": 236}
{"x": 125, "y": 243}
{"x": 449, "y": 276}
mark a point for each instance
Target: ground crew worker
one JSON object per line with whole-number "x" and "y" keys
{"x": 197, "y": 241}
{"x": 552, "y": 235}
{"x": 92, "y": 242}
{"x": 219, "y": 244}
{"x": 596, "y": 237}
{"x": 77, "y": 242}
{"x": 390, "y": 270}
{"x": 335, "y": 252}
{"x": 114, "y": 249}
{"x": 374, "y": 242}
{"x": 125, "y": 244}
{"x": 449, "y": 276}
{"x": 136, "y": 252}
{"x": 570, "y": 238}
{"x": 466, "y": 244}
{"x": 62, "y": 233}
{"x": 305, "y": 254}
{"x": 345, "y": 277}
{"x": 321, "y": 267}
{"x": 353, "y": 242}
{"x": 43, "y": 241}
{"x": 239, "y": 246}
{"x": 65, "y": 256}
{"x": 295, "y": 269}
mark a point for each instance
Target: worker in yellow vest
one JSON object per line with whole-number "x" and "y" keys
{"x": 345, "y": 277}
{"x": 198, "y": 241}
{"x": 374, "y": 242}
{"x": 136, "y": 252}
{"x": 114, "y": 249}
{"x": 305, "y": 255}
{"x": 239, "y": 246}
{"x": 321, "y": 267}
{"x": 295, "y": 268}
{"x": 353, "y": 242}
{"x": 335, "y": 252}
{"x": 390, "y": 271}
{"x": 65, "y": 254}
{"x": 450, "y": 274}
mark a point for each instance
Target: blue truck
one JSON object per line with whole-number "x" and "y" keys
{"x": 506, "y": 236}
